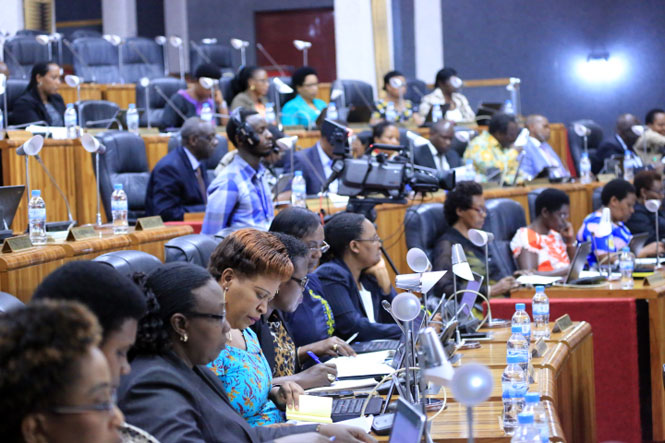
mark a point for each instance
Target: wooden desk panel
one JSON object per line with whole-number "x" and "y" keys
{"x": 89, "y": 91}
{"x": 120, "y": 94}
{"x": 153, "y": 241}
{"x": 21, "y": 272}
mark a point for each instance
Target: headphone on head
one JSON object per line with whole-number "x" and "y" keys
{"x": 244, "y": 130}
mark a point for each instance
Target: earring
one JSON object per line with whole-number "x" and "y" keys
{"x": 229, "y": 336}
{"x": 252, "y": 88}
{"x": 184, "y": 338}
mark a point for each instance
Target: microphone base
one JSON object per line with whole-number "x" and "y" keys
{"x": 59, "y": 225}
{"x": 6, "y": 233}
{"x": 497, "y": 323}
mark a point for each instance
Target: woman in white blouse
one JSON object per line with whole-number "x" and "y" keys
{"x": 447, "y": 85}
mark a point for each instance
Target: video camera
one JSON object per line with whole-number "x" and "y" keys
{"x": 392, "y": 177}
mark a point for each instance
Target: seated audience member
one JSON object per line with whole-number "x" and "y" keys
{"x": 622, "y": 143}
{"x": 250, "y": 87}
{"x": 355, "y": 280}
{"x": 648, "y": 186}
{"x": 446, "y": 92}
{"x": 55, "y": 384}
{"x": 190, "y": 101}
{"x": 285, "y": 359}
{"x": 650, "y": 145}
{"x": 437, "y": 154}
{"x": 313, "y": 320}
{"x": 465, "y": 209}
{"x": 385, "y": 133}
{"x": 492, "y": 152}
{"x": 170, "y": 392}
{"x": 41, "y": 101}
{"x": 4, "y": 69}
{"x": 179, "y": 181}
{"x": 240, "y": 196}
{"x": 538, "y": 153}
{"x": 305, "y": 108}
{"x": 394, "y": 85}
{"x": 546, "y": 245}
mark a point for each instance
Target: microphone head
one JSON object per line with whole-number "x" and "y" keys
{"x": 301, "y": 44}
{"x": 72, "y": 80}
{"x": 435, "y": 365}
{"x": 472, "y": 384}
{"x": 417, "y": 139}
{"x": 386, "y": 305}
{"x": 336, "y": 93}
{"x": 42, "y": 39}
{"x": 456, "y": 82}
{"x": 605, "y": 226}
{"x": 396, "y": 82}
{"x": 175, "y": 41}
{"x": 3, "y": 83}
{"x": 418, "y": 260}
{"x": 239, "y": 44}
{"x": 206, "y": 82}
{"x": 405, "y": 306}
{"x": 91, "y": 144}
{"x": 209, "y": 41}
{"x": 637, "y": 129}
{"x": 581, "y": 130}
{"x": 461, "y": 267}
{"x": 652, "y": 205}
{"x": 479, "y": 237}
{"x": 145, "y": 81}
{"x": 160, "y": 40}
{"x": 32, "y": 146}
{"x": 282, "y": 87}
{"x": 286, "y": 143}
{"x": 463, "y": 136}
{"x": 115, "y": 40}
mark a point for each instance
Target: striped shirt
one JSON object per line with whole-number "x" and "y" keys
{"x": 619, "y": 238}
{"x": 239, "y": 197}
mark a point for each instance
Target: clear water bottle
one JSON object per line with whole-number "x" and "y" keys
{"x": 206, "y": 113}
{"x": 518, "y": 346}
{"x": 526, "y": 432}
{"x": 540, "y": 308}
{"x": 585, "y": 168}
{"x": 534, "y": 407}
{"x": 298, "y": 190}
{"x": 332, "y": 113}
{"x": 119, "y": 209}
{"x": 626, "y": 266}
{"x": 509, "y": 416}
{"x": 521, "y": 318}
{"x": 132, "y": 119}
{"x": 514, "y": 380}
{"x": 437, "y": 114}
{"x": 270, "y": 113}
{"x": 628, "y": 167}
{"x": 470, "y": 171}
{"x": 37, "y": 218}
{"x": 391, "y": 114}
{"x": 508, "y": 107}
{"x": 70, "y": 121}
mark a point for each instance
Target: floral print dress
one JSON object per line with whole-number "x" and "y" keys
{"x": 247, "y": 378}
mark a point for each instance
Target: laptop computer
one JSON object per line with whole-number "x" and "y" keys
{"x": 348, "y": 408}
{"x": 408, "y": 425}
{"x": 577, "y": 265}
{"x": 10, "y": 198}
{"x": 363, "y": 347}
{"x": 637, "y": 242}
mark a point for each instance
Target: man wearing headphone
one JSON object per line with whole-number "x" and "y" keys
{"x": 240, "y": 197}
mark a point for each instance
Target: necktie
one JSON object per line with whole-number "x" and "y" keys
{"x": 202, "y": 184}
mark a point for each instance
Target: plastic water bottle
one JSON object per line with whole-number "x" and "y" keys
{"x": 514, "y": 380}
{"x": 585, "y": 168}
{"x": 119, "y": 209}
{"x": 508, "y": 107}
{"x": 391, "y": 114}
{"x": 540, "y": 309}
{"x": 37, "y": 218}
{"x": 628, "y": 169}
{"x": 70, "y": 121}
{"x": 270, "y": 113}
{"x": 332, "y": 113}
{"x": 509, "y": 416}
{"x": 626, "y": 266}
{"x": 437, "y": 114}
{"x": 206, "y": 113}
{"x": 470, "y": 171}
{"x": 132, "y": 119}
{"x": 298, "y": 190}
{"x": 526, "y": 432}
{"x": 521, "y": 318}
{"x": 518, "y": 346}
{"x": 534, "y": 407}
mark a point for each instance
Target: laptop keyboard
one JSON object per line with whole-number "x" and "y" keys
{"x": 351, "y": 407}
{"x": 374, "y": 346}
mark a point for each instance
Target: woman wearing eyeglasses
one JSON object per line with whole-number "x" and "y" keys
{"x": 55, "y": 384}
{"x": 464, "y": 209}
{"x": 355, "y": 280}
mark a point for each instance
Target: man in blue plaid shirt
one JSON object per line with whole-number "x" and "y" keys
{"x": 240, "y": 197}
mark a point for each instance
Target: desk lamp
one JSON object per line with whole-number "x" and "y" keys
{"x": 92, "y": 145}
{"x": 116, "y": 41}
{"x": 29, "y": 149}
{"x": 653, "y": 206}
{"x": 161, "y": 41}
{"x": 302, "y": 45}
{"x": 176, "y": 42}
{"x": 240, "y": 45}
{"x": 483, "y": 239}
{"x": 471, "y": 384}
{"x": 74, "y": 81}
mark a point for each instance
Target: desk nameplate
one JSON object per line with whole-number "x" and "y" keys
{"x": 562, "y": 323}
{"x": 146, "y": 223}
{"x": 13, "y": 244}
{"x": 81, "y": 233}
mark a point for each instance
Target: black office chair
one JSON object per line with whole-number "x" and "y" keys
{"x": 168, "y": 86}
{"x": 504, "y": 218}
{"x": 97, "y": 61}
{"x": 273, "y": 95}
{"x": 211, "y": 163}
{"x": 215, "y": 53}
{"x": 98, "y": 113}
{"x": 28, "y": 32}
{"x": 124, "y": 162}
{"x": 226, "y": 88}
{"x": 15, "y": 88}
{"x": 460, "y": 145}
{"x": 141, "y": 57}
{"x": 576, "y": 143}
{"x": 80, "y": 33}
{"x": 130, "y": 262}
{"x": 416, "y": 90}
{"x": 21, "y": 52}
{"x": 8, "y": 302}
{"x": 423, "y": 225}
{"x": 531, "y": 198}
{"x": 355, "y": 94}
{"x": 193, "y": 248}
{"x": 596, "y": 202}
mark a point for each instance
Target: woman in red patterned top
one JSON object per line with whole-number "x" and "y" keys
{"x": 546, "y": 245}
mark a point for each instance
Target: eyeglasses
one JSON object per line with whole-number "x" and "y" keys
{"x": 205, "y": 315}
{"x": 376, "y": 238}
{"x": 323, "y": 248}
{"x": 107, "y": 406}
{"x": 482, "y": 210}
{"x": 301, "y": 281}
{"x": 309, "y": 85}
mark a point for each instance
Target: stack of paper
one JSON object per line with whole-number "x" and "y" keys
{"x": 311, "y": 409}
{"x": 343, "y": 385}
{"x": 364, "y": 365}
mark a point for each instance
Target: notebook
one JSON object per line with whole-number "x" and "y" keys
{"x": 312, "y": 409}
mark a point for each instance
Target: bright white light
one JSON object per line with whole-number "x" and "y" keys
{"x": 600, "y": 70}
{"x": 476, "y": 382}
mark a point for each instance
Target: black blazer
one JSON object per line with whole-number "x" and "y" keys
{"x": 423, "y": 156}
{"x": 29, "y": 108}
{"x": 173, "y": 188}
{"x": 341, "y": 291}
{"x": 178, "y": 404}
{"x": 607, "y": 148}
{"x": 170, "y": 118}
{"x": 309, "y": 162}
{"x": 643, "y": 221}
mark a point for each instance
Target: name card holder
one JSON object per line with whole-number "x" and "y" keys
{"x": 146, "y": 223}
{"x": 539, "y": 348}
{"x": 81, "y": 233}
{"x": 562, "y": 323}
{"x": 655, "y": 279}
{"x": 14, "y": 244}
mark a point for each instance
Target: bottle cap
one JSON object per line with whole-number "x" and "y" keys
{"x": 520, "y": 306}
{"x": 532, "y": 397}
{"x": 524, "y": 419}
{"x": 132, "y": 106}
{"x": 36, "y": 193}
{"x": 625, "y": 249}
{"x": 70, "y": 105}
{"x": 540, "y": 288}
{"x": 516, "y": 328}
{"x": 117, "y": 186}
{"x": 298, "y": 173}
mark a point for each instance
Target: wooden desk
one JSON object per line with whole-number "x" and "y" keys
{"x": 89, "y": 91}
{"x": 655, "y": 296}
{"x": 121, "y": 94}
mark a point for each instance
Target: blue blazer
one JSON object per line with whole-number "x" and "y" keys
{"x": 341, "y": 291}
{"x": 173, "y": 188}
{"x": 309, "y": 162}
{"x": 534, "y": 161}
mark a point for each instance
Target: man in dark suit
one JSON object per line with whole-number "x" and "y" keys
{"x": 179, "y": 181}
{"x": 316, "y": 165}
{"x": 437, "y": 154}
{"x": 623, "y": 141}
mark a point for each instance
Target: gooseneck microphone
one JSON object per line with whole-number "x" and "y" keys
{"x": 170, "y": 102}
{"x": 385, "y": 304}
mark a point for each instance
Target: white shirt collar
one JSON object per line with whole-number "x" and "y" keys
{"x": 195, "y": 163}
{"x": 440, "y": 160}
{"x": 534, "y": 141}
{"x": 325, "y": 160}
